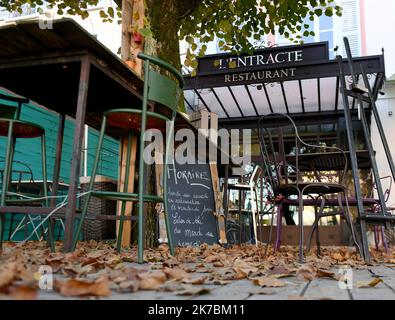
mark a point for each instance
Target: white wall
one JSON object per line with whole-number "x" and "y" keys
{"x": 380, "y": 23}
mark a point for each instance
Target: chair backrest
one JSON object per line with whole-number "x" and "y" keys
{"x": 10, "y": 106}
{"x": 162, "y": 89}
{"x": 277, "y": 154}
{"x": 276, "y": 141}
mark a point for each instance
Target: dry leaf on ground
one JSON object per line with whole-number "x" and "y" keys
{"x": 152, "y": 280}
{"x": 81, "y": 288}
{"x": 175, "y": 273}
{"x": 193, "y": 291}
{"x": 23, "y": 292}
{"x": 322, "y": 273}
{"x": 199, "y": 280}
{"x": 129, "y": 286}
{"x": 306, "y": 272}
{"x": 243, "y": 268}
{"x": 268, "y": 282}
{"x": 7, "y": 274}
{"x": 369, "y": 284}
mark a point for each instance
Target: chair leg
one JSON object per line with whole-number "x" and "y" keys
{"x": 314, "y": 227}
{"x": 6, "y": 176}
{"x": 2, "y": 226}
{"x": 7, "y": 165}
{"x": 270, "y": 229}
{"x": 164, "y": 183}
{"x": 301, "y": 236}
{"x": 91, "y": 182}
{"x": 125, "y": 189}
{"x": 319, "y": 214}
{"x": 278, "y": 227}
{"x": 347, "y": 217}
{"x": 50, "y": 239}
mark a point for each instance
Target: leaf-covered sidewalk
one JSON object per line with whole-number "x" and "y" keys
{"x": 94, "y": 270}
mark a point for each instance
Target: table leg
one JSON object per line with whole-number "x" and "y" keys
{"x": 57, "y": 165}
{"x": 76, "y": 158}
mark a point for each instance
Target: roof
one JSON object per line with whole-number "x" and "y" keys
{"x": 44, "y": 65}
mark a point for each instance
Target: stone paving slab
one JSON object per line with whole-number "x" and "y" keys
{"x": 318, "y": 289}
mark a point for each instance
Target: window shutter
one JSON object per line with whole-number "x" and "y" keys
{"x": 350, "y": 26}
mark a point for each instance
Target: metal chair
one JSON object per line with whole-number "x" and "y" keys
{"x": 13, "y": 128}
{"x": 165, "y": 93}
{"x": 285, "y": 177}
{"x": 244, "y": 188}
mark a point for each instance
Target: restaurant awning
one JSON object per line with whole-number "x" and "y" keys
{"x": 298, "y": 79}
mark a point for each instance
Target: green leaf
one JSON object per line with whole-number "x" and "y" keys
{"x": 146, "y": 32}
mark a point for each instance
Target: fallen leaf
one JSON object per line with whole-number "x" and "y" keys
{"x": 81, "y": 288}
{"x": 77, "y": 270}
{"x": 55, "y": 262}
{"x": 199, "y": 280}
{"x": 221, "y": 282}
{"x": 321, "y": 273}
{"x": 337, "y": 256}
{"x": 369, "y": 284}
{"x": 152, "y": 280}
{"x": 23, "y": 292}
{"x": 193, "y": 291}
{"x": 129, "y": 286}
{"x": 7, "y": 274}
{"x": 243, "y": 268}
{"x": 218, "y": 264}
{"x": 306, "y": 272}
{"x": 211, "y": 258}
{"x": 268, "y": 282}
{"x": 176, "y": 273}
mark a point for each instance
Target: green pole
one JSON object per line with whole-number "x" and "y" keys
{"x": 45, "y": 191}
{"x": 7, "y": 168}
{"x": 91, "y": 182}
{"x": 141, "y": 166}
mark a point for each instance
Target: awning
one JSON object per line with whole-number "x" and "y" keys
{"x": 291, "y": 79}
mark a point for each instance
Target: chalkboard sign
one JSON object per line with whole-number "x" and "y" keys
{"x": 191, "y": 205}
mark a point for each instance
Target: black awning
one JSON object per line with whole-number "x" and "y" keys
{"x": 302, "y": 86}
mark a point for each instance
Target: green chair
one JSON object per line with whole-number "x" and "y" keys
{"x": 165, "y": 93}
{"x": 13, "y": 128}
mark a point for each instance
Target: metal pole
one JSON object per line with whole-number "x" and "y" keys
{"x": 350, "y": 63}
{"x": 353, "y": 158}
{"x": 141, "y": 167}
{"x": 91, "y": 182}
{"x": 45, "y": 191}
{"x": 369, "y": 145}
{"x": 57, "y": 165}
{"x": 76, "y": 156}
{"x": 378, "y": 123}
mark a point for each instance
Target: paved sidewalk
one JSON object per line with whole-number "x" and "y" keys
{"x": 317, "y": 289}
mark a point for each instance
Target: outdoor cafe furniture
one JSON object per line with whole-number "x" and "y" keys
{"x": 285, "y": 180}
{"x": 244, "y": 189}
{"x": 13, "y": 128}
{"x": 160, "y": 89}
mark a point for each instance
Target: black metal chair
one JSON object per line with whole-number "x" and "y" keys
{"x": 280, "y": 146}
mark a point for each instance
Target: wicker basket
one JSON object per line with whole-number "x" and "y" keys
{"x": 98, "y": 229}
